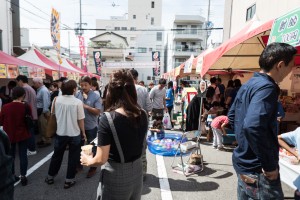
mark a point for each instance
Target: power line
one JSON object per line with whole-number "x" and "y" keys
{"x": 144, "y": 30}
{"x": 31, "y": 12}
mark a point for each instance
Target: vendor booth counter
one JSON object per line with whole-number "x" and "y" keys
{"x": 289, "y": 173}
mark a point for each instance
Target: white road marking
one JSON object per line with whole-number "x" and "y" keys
{"x": 37, "y": 165}
{"x": 163, "y": 179}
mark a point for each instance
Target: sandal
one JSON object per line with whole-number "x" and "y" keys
{"x": 49, "y": 181}
{"x": 69, "y": 184}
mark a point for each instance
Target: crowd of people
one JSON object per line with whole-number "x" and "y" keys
{"x": 116, "y": 120}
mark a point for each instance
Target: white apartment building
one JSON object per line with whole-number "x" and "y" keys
{"x": 237, "y": 12}
{"x": 141, "y": 27}
{"x": 6, "y": 41}
{"x": 186, "y": 39}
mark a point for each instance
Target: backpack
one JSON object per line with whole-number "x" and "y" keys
{"x": 210, "y": 92}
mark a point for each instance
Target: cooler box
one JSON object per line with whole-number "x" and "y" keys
{"x": 229, "y": 138}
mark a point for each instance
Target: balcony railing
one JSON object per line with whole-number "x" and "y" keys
{"x": 188, "y": 48}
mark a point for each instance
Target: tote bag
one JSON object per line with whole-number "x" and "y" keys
{"x": 52, "y": 124}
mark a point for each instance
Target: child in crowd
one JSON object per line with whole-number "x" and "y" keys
{"x": 212, "y": 113}
{"x": 157, "y": 127}
{"x": 218, "y": 128}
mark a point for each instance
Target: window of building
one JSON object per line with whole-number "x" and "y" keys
{"x": 152, "y": 20}
{"x": 132, "y": 28}
{"x": 152, "y": 4}
{"x": 158, "y": 47}
{"x": 159, "y": 36}
{"x": 117, "y": 28}
{"x": 1, "y": 47}
{"x": 124, "y": 28}
{"x": 150, "y": 49}
{"x": 250, "y": 12}
{"x": 193, "y": 29}
{"x": 134, "y": 16}
{"x": 132, "y": 38}
{"x": 131, "y": 47}
{"x": 142, "y": 50}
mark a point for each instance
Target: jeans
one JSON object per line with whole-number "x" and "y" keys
{"x": 74, "y": 154}
{"x": 170, "y": 113}
{"x": 263, "y": 189}
{"x": 22, "y": 147}
{"x": 31, "y": 140}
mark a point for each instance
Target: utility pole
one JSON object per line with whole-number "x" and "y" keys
{"x": 207, "y": 24}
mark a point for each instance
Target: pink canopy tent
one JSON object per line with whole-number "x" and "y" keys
{"x": 7, "y": 59}
{"x": 242, "y": 51}
{"x": 51, "y": 63}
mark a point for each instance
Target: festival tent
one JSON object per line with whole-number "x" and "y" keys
{"x": 31, "y": 57}
{"x": 242, "y": 51}
{"x": 10, "y": 60}
{"x": 38, "y": 58}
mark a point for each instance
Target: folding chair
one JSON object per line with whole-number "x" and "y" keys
{"x": 188, "y": 139}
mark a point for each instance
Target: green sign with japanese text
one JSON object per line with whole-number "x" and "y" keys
{"x": 286, "y": 29}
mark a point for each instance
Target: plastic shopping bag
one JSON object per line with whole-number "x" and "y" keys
{"x": 167, "y": 121}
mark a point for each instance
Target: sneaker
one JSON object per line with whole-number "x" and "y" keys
{"x": 214, "y": 147}
{"x": 17, "y": 178}
{"x": 220, "y": 149}
{"x": 23, "y": 180}
{"x": 31, "y": 153}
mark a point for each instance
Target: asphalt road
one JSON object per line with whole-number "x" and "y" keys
{"x": 216, "y": 181}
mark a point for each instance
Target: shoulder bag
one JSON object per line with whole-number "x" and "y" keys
{"x": 52, "y": 124}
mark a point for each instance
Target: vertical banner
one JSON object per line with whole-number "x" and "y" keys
{"x": 12, "y": 71}
{"x": 23, "y": 71}
{"x": 3, "y": 73}
{"x": 156, "y": 58}
{"x": 55, "y": 32}
{"x": 82, "y": 52}
{"x": 97, "y": 60}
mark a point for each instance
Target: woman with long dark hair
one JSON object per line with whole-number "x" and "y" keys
{"x": 121, "y": 135}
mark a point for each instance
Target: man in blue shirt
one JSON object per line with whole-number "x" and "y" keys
{"x": 92, "y": 105}
{"x": 253, "y": 117}
{"x": 42, "y": 104}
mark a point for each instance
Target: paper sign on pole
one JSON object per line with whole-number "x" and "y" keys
{"x": 188, "y": 65}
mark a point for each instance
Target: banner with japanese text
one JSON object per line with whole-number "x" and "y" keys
{"x": 97, "y": 60}
{"x": 12, "y": 71}
{"x": 3, "y": 73}
{"x": 55, "y": 32}
{"x": 156, "y": 58}
{"x": 82, "y": 53}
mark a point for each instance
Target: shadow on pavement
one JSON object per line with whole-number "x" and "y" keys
{"x": 188, "y": 185}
